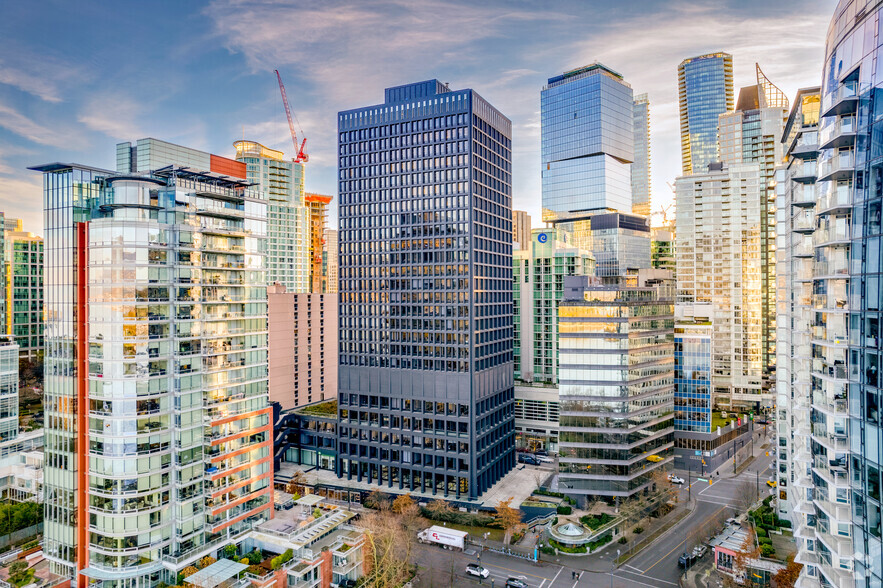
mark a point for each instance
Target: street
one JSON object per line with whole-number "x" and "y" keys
{"x": 656, "y": 566}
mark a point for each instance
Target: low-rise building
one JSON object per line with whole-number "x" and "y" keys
{"x": 21, "y": 467}
{"x": 536, "y": 417}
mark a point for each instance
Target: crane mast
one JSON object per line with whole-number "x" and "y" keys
{"x": 301, "y": 155}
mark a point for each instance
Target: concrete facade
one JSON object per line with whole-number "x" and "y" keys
{"x": 303, "y": 346}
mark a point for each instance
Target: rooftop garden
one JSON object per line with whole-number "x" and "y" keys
{"x": 323, "y": 409}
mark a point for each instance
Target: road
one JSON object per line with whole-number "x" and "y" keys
{"x": 654, "y": 567}
{"x": 658, "y": 563}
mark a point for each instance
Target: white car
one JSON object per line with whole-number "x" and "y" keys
{"x": 543, "y": 459}
{"x": 477, "y": 570}
{"x": 674, "y": 479}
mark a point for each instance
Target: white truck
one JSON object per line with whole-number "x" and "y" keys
{"x": 447, "y": 538}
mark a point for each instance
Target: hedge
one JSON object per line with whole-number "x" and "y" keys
{"x": 564, "y": 549}
{"x": 595, "y": 521}
{"x": 564, "y": 510}
{"x": 762, "y": 533}
{"x": 593, "y": 545}
{"x": 767, "y": 550}
{"x": 764, "y": 541}
{"x": 460, "y": 518}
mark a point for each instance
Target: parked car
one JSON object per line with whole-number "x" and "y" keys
{"x": 675, "y": 479}
{"x": 528, "y": 459}
{"x": 699, "y": 551}
{"x": 542, "y": 452}
{"x": 544, "y": 459}
{"x": 477, "y": 570}
{"x": 686, "y": 560}
{"x": 515, "y": 583}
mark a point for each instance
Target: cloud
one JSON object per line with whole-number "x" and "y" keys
{"x": 40, "y": 73}
{"x": 16, "y": 122}
{"x": 115, "y": 115}
{"x": 21, "y": 196}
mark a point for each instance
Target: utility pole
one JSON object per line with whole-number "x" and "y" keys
{"x": 689, "y": 484}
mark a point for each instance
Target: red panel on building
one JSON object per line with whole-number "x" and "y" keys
{"x": 228, "y": 167}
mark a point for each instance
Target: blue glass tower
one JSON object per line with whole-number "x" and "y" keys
{"x": 705, "y": 91}
{"x": 587, "y": 143}
{"x": 693, "y": 378}
{"x": 426, "y": 395}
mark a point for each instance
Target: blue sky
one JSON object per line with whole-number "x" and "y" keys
{"x": 78, "y": 77}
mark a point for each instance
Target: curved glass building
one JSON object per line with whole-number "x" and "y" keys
{"x": 705, "y": 91}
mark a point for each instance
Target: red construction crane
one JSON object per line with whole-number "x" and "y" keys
{"x": 301, "y": 156}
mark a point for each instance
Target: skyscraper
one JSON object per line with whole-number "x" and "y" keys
{"x": 641, "y": 164}
{"x": 318, "y": 206}
{"x": 539, "y": 270}
{"x": 717, "y": 253}
{"x": 425, "y": 382}
{"x": 839, "y": 472}
{"x": 158, "y": 436}
{"x": 616, "y": 385}
{"x": 288, "y": 217}
{"x": 705, "y": 91}
{"x": 24, "y": 291}
{"x": 587, "y": 143}
{"x": 752, "y": 133}
{"x": 330, "y": 262}
{"x": 796, "y": 203}
{"x": 9, "y": 355}
{"x": 520, "y": 229}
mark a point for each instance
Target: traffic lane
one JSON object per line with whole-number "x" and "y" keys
{"x": 501, "y": 567}
{"x": 659, "y": 560}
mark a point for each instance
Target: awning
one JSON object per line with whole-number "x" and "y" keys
{"x": 215, "y": 574}
{"x": 310, "y": 500}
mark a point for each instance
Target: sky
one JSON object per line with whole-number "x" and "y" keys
{"x": 76, "y": 78}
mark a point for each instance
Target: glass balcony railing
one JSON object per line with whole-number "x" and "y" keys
{"x": 839, "y": 166}
{"x": 843, "y": 100}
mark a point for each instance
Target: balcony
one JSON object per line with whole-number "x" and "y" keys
{"x": 841, "y": 166}
{"x": 804, "y": 222}
{"x": 840, "y": 134}
{"x": 842, "y": 101}
{"x": 806, "y": 145}
{"x": 804, "y": 172}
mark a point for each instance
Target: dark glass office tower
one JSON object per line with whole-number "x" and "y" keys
{"x": 426, "y": 373}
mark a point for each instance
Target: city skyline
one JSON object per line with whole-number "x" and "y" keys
{"x": 205, "y": 78}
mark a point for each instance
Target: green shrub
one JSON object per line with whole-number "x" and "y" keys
{"x": 547, "y": 550}
{"x": 762, "y": 533}
{"x": 638, "y": 530}
{"x": 16, "y": 567}
{"x": 564, "y": 549}
{"x": 623, "y": 540}
{"x": 785, "y": 523}
{"x": 564, "y": 510}
{"x": 460, "y": 518}
{"x": 570, "y": 500}
{"x": 554, "y": 521}
{"x": 254, "y": 558}
{"x": 542, "y": 492}
{"x": 230, "y": 551}
{"x": 593, "y": 545}
{"x": 595, "y": 521}
{"x": 764, "y": 541}
{"x": 767, "y": 551}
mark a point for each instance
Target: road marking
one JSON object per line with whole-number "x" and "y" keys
{"x": 634, "y": 568}
{"x": 633, "y": 581}
{"x": 515, "y": 571}
{"x": 678, "y": 546}
{"x": 555, "y": 578}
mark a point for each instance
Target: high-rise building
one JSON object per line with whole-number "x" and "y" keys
{"x": 619, "y": 241}
{"x": 641, "y": 163}
{"x": 317, "y": 205}
{"x": 330, "y": 262}
{"x": 840, "y": 538}
{"x": 705, "y": 91}
{"x": 616, "y": 384}
{"x": 24, "y": 291}
{"x": 426, "y": 380}
{"x": 587, "y": 143}
{"x": 538, "y": 277}
{"x": 303, "y": 347}
{"x": 8, "y": 388}
{"x": 288, "y": 217}
{"x": 158, "y": 436}
{"x": 520, "y": 229}
{"x": 795, "y": 206}
{"x": 752, "y": 133}
{"x": 717, "y": 253}
{"x": 693, "y": 376}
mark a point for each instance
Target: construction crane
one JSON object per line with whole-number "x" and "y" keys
{"x": 301, "y": 156}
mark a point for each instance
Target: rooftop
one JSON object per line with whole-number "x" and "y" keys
{"x": 216, "y": 574}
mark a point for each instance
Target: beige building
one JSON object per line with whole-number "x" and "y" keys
{"x": 303, "y": 346}
{"x": 520, "y": 229}
{"x": 330, "y": 262}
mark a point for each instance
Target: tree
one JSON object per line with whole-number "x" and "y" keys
{"x": 439, "y": 508}
{"x": 206, "y": 562}
{"x": 404, "y": 505}
{"x": 297, "y": 483}
{"x": 746, "y": 494}
{"x": 377, "y": 500}
{"x": 748, "y": 550}
{"x": 787, "y": 577}
{"x": 509, "y": 518}
{"x": 388, "y": 547}
{"x": 189, "y": 571}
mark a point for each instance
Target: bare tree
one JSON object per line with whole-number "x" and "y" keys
{"x": 389, "y": 546}
{"x": 746, "y": 495}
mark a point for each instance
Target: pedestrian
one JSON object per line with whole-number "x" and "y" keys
{"x": 572, "y": 575}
